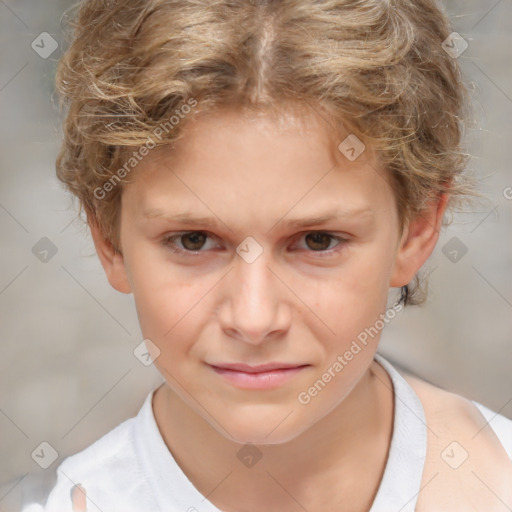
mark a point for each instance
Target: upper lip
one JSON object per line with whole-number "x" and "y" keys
{"x": 241, "y": 367}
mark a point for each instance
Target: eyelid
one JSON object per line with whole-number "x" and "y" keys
{"x": 170, "y": 237}
{"x": 340, "y": 238}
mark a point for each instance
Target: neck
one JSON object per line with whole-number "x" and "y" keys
{"x": 345, "y": 452}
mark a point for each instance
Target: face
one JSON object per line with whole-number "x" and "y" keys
{"x": 262, "y": 279}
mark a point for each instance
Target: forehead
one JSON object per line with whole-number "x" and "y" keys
{"x": 256, "y": 164}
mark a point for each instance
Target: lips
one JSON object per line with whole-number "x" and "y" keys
{"x": 241, "y": 367}
{"x": 261, "y": 377}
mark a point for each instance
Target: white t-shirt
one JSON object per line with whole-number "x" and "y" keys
{"x": 130, "y": 469}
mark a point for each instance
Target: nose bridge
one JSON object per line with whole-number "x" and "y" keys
{"x": 254, "y": 283}
{"x": 254, "y": 296}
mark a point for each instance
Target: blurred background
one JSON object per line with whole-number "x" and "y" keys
{"x": 68, "y": 373}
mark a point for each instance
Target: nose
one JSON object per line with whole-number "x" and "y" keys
{"x": 256, "y": 306}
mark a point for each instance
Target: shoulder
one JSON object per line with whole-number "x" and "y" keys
{"x": 501, "y": 425}
{"x": 106, "y": 464}
{"x": 467, "y": 466}
{"x": 115, "y": 447}
{"x": 452, "y": 413}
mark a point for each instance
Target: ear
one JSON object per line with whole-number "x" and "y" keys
{"x": 418, "y": 241}
{"x": 111, "y": 260}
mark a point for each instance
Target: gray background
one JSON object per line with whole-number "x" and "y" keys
{"x": 67, "y": 370}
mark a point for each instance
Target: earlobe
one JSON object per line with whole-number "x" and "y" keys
{"x": 418, "y": 242}
{"x": 111, "y": 260}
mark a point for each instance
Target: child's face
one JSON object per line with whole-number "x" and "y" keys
{"x": 302, "y": 301}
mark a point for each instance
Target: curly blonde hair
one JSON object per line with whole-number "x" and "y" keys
{"x": 377, "y": 66}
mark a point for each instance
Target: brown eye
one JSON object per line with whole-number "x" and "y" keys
{"x": 188, "y": 243}
{"x": 319, "y": 241}
{"x": 193, "y": 241}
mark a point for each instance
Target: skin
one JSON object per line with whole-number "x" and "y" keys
{"x": 292, "y": 304}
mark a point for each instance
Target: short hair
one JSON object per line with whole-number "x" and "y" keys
{"x": 375, "y": 66}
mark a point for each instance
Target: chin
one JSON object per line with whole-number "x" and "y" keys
{"x": 255, "y": 431}
{"x": 261, "y": 438}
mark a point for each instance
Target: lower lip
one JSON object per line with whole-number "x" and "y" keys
{"x": 262, "y": 380}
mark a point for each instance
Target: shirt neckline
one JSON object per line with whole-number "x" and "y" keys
{"x": 401, "y": 481}
{"x": 398, "y": 490}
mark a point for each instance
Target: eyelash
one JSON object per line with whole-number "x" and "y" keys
{"x": 168, "y": 242}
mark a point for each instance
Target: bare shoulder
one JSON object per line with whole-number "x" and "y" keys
{"x": 466, "y": 467}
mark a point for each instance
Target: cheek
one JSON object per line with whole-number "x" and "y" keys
{"x": 356, "y": 296}
{"x": 166, "y": 298}
{"x": 171, "y": 315}
{"x": 168, "y": 309}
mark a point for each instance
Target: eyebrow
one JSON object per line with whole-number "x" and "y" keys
{"x": 324, "y": 217}
{"x": 190, "y": 219}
